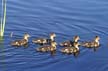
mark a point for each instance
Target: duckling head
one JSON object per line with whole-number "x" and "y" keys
{"x": 76, "y": 44}
{"x": 97, "y": 38}
{"x": 26, "y": 36}
{"x": 52, "y": 36}
{"x": 76, "y": 38}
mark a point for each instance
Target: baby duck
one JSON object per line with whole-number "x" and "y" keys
{"x": 73, "y": 49}
{"x": 90, "y": 44}
{"x": 21, "y": 42}
{"x": 47, "y": 48}
{"x": 69, "y": 42}
{"x": 42, "y": 41}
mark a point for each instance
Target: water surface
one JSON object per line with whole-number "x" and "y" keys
{"x": 66, "y": 18}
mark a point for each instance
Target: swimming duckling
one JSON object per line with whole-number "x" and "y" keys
{"x": 42, "y": 41}
{"x": 21, "y": 42}
{"x": 69, "y": 42}
{"x": 47, "y": 48}
{"x": 71, "y": 50}
{"x": 91, "y": 44}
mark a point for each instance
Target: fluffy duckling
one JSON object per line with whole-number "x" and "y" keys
{"x": 91, "y": 44}
{"x": 21, "y": 42}
{"x": 69, "y": 42}
{"x": 42, "y": 41}
{"x": 69, "y": 50}
{"x": 47, "y": 48}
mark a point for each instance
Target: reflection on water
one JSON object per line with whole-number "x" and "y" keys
{"x": 2, "y": 56}
{"x": 53, "y": 52}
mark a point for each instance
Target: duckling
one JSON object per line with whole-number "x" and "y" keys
{"x": 21, "y": 42}
{"x": 69, "y": 42}
{"x": 47, "y": 48}
{"x": 42, "y": 41}
{"x": 69, "y": 50}
{"x": 92, "y": 44}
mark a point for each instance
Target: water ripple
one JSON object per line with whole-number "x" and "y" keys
{"x": 66, "y": 18}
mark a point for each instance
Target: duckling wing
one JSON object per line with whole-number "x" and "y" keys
{"x": 15, "y": 43}
{"x": 69, "y": 50}
{"x": 94, "y": 44}
{"x": 84, "y": 43}
{"x": 44, "y": 48}
{"x": 23, "y": 42}
{"x": 64, "y": 49}
{"x": 74, "y": 50}
{"x": 65, "y": 43}
{"x": 39, "y": 40}
{"x": 88, "y": 44}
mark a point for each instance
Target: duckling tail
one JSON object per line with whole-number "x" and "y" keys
{"x": 34, "y": 41}
{"x": 37, "y": 49}
{"x": 61, "y": 50}
{"x": 82, "y": 44}
{"x": 61, "y": 44}
{"x": 13, "y": 43}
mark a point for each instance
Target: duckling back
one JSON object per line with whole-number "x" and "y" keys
{"x": 40, "y": 41}
{"x": 69, "y": 50}
{"x": 43, "y": 48}
{"x": 66, "y": 43}
{"x": 15, "y": 43}
{"x": 90, "y": 44}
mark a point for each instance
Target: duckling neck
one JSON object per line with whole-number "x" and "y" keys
{"x": 52, "y": 38}
{"x": 77, "y": 47}
{"x": 26, "y": 38}
{"x": 75, "y": 40}
{"x": 97, "y": 42}
{"x": 53, "y": 45}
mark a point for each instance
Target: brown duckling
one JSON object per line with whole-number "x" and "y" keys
{"x": 92, "y": 44}
{"x": 47, "y": 48}
{"x": 42, "y": 41}
{"x": 21, "y": 42}
{"x": 71, "y": 50}
{"x": 69, "y": 42}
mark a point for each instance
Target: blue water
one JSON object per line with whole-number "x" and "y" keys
{"x": 66, "y": 18}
